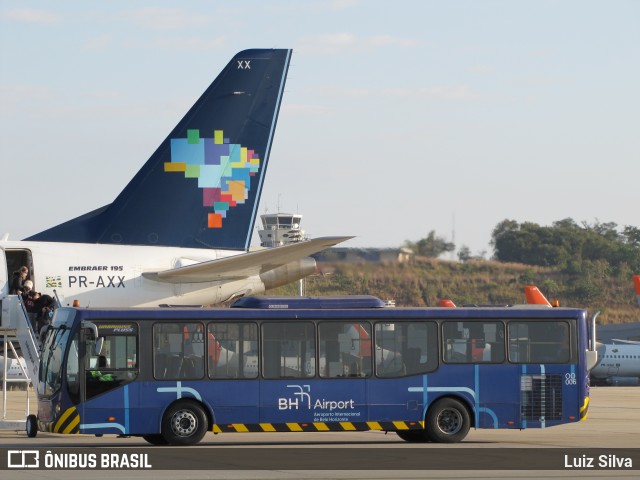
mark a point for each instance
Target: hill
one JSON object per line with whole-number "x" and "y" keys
{"x": 425, "y": 281}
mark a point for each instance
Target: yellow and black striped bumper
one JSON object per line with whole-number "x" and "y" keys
{"x": 68, "y": 422}
{"x": 317, "y": 427}
{"x": 584, "y": 410}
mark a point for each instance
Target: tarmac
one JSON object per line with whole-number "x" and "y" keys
{"x": 610, "y": 434}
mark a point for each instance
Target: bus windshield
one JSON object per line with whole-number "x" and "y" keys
{"x": 53, "y": 351}
{"x": 52, "y": 357}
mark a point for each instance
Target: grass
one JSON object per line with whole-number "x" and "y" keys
{"x": 425, "y": 281}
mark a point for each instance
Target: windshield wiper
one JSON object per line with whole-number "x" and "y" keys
{"x": 54, "y": 340}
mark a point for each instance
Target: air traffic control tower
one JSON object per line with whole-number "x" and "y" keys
{"x": 280, "y": 229}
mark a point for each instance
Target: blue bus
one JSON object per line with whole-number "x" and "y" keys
{"x": 312, "y": 364}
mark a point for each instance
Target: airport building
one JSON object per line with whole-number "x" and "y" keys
{"x": 280, "y": 229}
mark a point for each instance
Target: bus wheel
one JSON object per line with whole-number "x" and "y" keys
{"x": 448, "y": 421}
{"x": 184, "y": 423}
{"x": 413, "y": 436}
{"x": 32, "y": 426}
{"x": 155, "y": 439}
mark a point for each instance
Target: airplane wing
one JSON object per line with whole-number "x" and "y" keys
{"x": 245, "y": 264}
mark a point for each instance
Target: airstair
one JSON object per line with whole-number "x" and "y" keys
{"x": 16, "y": 329}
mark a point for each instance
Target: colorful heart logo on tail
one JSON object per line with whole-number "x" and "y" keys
{"x": 223, "y": 170}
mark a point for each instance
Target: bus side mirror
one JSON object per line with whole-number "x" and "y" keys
{"x": 97, "y": 348}
{"x": 591, "y": 358}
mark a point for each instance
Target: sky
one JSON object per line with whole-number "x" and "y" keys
{"x": 398, "y": 118}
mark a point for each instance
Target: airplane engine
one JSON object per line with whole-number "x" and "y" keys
{"x": 288, "y": 273}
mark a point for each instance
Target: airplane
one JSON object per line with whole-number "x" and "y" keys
{"x": 179, "y": 232}
{"x": 16, "y": 370}
{"x": 619, "y": 361}
{"x": 618, "y": 364}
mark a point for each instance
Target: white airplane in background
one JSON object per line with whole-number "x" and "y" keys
{"x": 14, "y": 371}
{"x": 179, "y": 233}
{"x": 618, "y": 364}
{"x": 619, "y": 361}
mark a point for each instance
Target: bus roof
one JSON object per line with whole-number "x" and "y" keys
{"x": 289, "y": 308}
{"x": 313, "y": 303}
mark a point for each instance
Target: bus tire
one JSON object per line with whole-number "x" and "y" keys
{"x": 155, "y": 439}
{"x": 447, "y": 421}
{"x": 184, "y": 423}
{"x": 413, "y": 436}
{"x": 31, "y": 426}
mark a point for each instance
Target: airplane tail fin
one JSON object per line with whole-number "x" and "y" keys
{"x": 201, "y": 188}
{"x": 446, "y": 303}
{"x": 534, "y": 296}
{"x": 636, "y": 284}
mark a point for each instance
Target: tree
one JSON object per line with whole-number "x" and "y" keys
{"x": 566, "y": 224}
{"x": 631, "y": 235}
{"x": 503, "y": 228}
{"x": 568, "y": 246}
{"x": 431, "y": 246}
{"x": 464, "y": 254}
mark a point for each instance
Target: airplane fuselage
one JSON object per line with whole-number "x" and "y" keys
{"x": 617, "y": 361}
{"x": 101, "y": 275}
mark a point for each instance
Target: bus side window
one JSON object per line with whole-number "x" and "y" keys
{"x": 412, "y": 360}
{"x": 497, "y": 351}
{"x": 539, "y": 342}
{"x": 192, "y": 366}
{"x": 172, "y": 344}
{"x": 473, "y": 342}
{"x": 174, "y": 366}
{"x": 232, "y": 350}
{"x": 159, "y": 365}
{"x": 345, "y": 349}
{"x": 288, "y": 350}
{"x": 405, "y": 348}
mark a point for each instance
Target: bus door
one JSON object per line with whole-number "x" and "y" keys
{"x": 474, "y": 369}
{"x": 232, "y": 386}
{"x": 346, "y": 367}
{"x": 305, "y": 386}
{"x": 404, "y": 353}
{"x": 109, "y": 401}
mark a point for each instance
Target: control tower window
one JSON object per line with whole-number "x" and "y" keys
{"x": 285, "y": 222}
